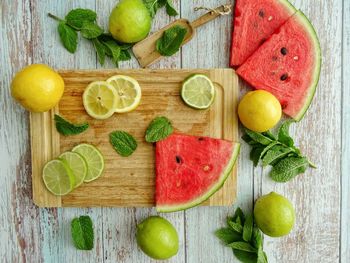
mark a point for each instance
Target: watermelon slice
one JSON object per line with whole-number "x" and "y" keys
{"x": 287, "y": 65}
{"x": 254, "y": 22}
{"x": 190, "y": 169}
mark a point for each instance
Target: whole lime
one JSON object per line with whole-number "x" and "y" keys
{"x": 130, "y": 21}
{"x": 274, "y": 215}
{"x": 259, "y": 110}
{"x": 157, "y": 238}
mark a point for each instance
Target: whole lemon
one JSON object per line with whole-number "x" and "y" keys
{"x": 259, "y": 110}
{"x": 157, "y": 238}
{"x": 130, "y": 21}
{"x": 37, "y": 88}
{"x": 274, "y": 215}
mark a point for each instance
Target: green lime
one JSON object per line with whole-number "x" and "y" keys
{"x": 274, "y": 215}
{"x": 58, "y": 177}
{"x": 157, "y": 238}
{"x": 130, "y": 21}
{"x": 198, "y": 91}
{"x": 78, "y": 165}
{"x": 93, "y": 158}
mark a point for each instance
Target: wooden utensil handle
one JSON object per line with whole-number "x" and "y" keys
{"x": 211, "y": 15}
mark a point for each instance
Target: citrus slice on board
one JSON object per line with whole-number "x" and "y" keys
{"x": 100, "y": 100}
{"x": 78, "y": 165}
{"x": 128, "y": 90}
{"x": 94, "y": 160}
{"x": 58, "y": 177}
{"x": 198, "y": 91}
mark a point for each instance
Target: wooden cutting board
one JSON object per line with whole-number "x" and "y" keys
{"x": 130, "y": 182}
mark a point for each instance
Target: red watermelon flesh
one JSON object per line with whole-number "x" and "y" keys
{"x": 287, "y": 65}
{"x": 254, "y": 22}
{"x": 190, "y": 169}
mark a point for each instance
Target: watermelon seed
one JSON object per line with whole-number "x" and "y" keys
{"x": 261, "y": 13}
{"x": 206, "y": 168}
{"x": 178, "y": 159}
{"x": 296, "y": 58}
{"x": 200, "y": 139}
{"x": 284, "y": 77}
{"x": 270, "y": 18}
{"x": 284, "y": 51}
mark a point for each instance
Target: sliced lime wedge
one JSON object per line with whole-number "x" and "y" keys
{"x": 93, "y": 158}
{"x": 58, "y": 177}
{"x": 198, "y": 91}
{"x": 78, "y": 165}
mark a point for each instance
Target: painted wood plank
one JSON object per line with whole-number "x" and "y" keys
{"x": 345, "y": 175}
{"x": 209, "y": 49}
{"x": 119, "y": 225}
{"x": 316, "y": 194}
{"x": 55, "y": 223}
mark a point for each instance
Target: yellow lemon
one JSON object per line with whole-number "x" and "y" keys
{"x": 37, "y": 88}
{"x": 259, "y": 111}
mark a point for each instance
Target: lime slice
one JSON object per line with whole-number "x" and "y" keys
{"x": 94, "y": 160}
{"x": 58, "y": 177}
{"x": 128, "y": 91}
{"x": 100, "y": 100}
{"x": 198, "y": 91}
{"x": 78, "y": 166}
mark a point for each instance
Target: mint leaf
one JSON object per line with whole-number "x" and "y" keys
{"x": 236, "y": 226}
{"x": 100, "y": 49}
{"x": 124, "y": 55}
{"x": 90, "y": 30}
{"x": 170, "y": 9}
{"x": 245, "y": 257}
{"x": 154, "y": 5}
{"x": 82, "y": 233}
{"x": 248, "y": 228}
{"x": 113, "y": 49}
{"x": 159, "y": 129}
{"x": 276, "y": 153}
{"x": 258, "y": 137}
{"x": 283, "y": 134}
{"x": 244, "y": 246}
{"x": 77, "y": 17}
{"x": 68, "y": 36}
{"x": 171, "y": 40}
{"x": 257, "y": 238}
{"x": 262, "y": 258}
{"x": 123, "y": 143}
{"x": 227, "y": 235}
{"x": 66, "y": 128}
{"x": 256, "y": 153}
{"x": 238, "y": 216}
{"x": 288, "y": 168}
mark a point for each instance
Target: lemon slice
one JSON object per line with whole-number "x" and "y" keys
{"x": 198, "y": 91}
{"x": 128, "y": 90}
{"x": 100, "y": 100}
{"x": 58, "y": 177}
{"x": 78, "y": 165}
{"x": 94, "y": 160}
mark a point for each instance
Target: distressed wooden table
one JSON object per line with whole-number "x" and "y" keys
{"x": 321, "y": 197}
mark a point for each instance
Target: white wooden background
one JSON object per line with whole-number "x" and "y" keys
{"x": 321, "y": 197}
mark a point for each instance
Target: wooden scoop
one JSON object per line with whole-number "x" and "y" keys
{"x": 145, "y": 50}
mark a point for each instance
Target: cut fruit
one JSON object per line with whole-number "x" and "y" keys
{"x": 287, "y": 65}
{"x": 100, "y": 100}
{"x": 94, "y": 160}
{"x": 254, "y": 23}
{"x": 198, "y": 91}
{"x": 128, "y": 91}
{"x": 78, "y": 166}
{"x": 190, "y": 169}
{"x": 58, "y": 177}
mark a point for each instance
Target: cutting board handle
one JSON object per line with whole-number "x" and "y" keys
{"x": 211, "y": 15}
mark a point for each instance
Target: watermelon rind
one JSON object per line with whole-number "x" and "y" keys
{"x": 288, "y": 5}
{"x": 227, "y": 171}
{"x": 318, "y": 56}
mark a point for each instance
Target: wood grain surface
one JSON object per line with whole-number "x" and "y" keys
{"x": 321, "y": 197}
{"x": 130, "y": 182}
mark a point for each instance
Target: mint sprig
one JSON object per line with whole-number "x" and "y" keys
{"x": 159, "y": 129}
{"x": 84, "y": 21}
{"x": 171, "y": 40}
{"x": 82, "y": 233}
{"x": 67, "y": 128}
{"x": 244, "y": 237}
{"x": 277, "y": 151}
{"x": 154, "y": 5}
{"x": 123, "y": 143}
